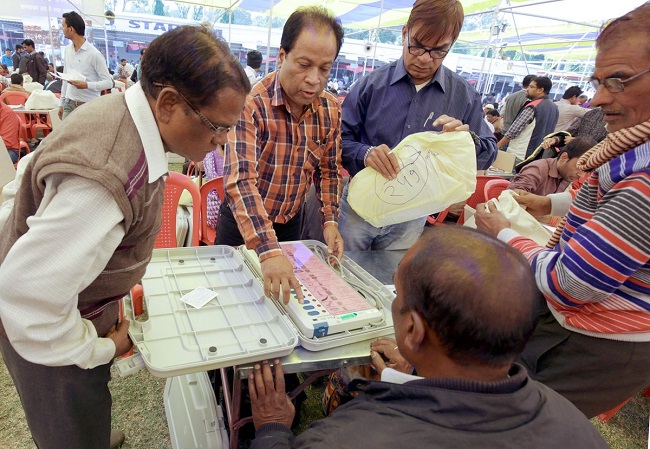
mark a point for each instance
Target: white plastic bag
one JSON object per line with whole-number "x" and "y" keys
{"x": 437, "y": 170}
{"x": 42, "y": 99}
{"x": 520, "y": 220}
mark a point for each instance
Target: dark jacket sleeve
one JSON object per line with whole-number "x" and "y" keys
{"x": 272, "y": 436}
{"x": 23, "y": 64}
{"x": 41, "y": 69}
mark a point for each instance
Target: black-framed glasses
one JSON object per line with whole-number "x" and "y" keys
{"x": 416, "y": 50}
{"x": 615, "y": 85}
{"x": 216, "y": 130}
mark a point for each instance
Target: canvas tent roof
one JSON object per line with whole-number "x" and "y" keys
{"x": 561, "y": 29}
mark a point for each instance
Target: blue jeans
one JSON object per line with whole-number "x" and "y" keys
{"x": 13, "y": 154}
{"x": 359, "y": 235}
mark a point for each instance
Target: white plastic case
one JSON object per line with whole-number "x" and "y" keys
{"x": 240, "y": 326}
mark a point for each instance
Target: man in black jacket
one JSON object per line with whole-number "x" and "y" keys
{"x": 466, "y": 305}
{"x": 33, "y": 63}
{"x": 15, "y": 58}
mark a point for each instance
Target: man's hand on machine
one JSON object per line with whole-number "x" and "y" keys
{"x": 120, "y": 336}
{"x": 278, "y": 275}
{"x": 269, "y": 400}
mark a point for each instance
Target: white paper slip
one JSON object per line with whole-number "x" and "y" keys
{"x": 71, "y": 75}
{"x": 199, "y": 297}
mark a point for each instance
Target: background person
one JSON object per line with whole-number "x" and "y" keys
{"x": 554, "y": 174}
{"x": 253, "y": 64}
{"x": 82, "y": 57}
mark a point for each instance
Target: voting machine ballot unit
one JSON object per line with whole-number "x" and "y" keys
{"x": 205, "y": 309}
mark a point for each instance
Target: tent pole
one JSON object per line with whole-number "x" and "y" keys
{"x": 229, "y": 11}
{"x": 487, "y": 47}
{"x": 521, "y": 47}
{"x": 584, "y": 72}
{"x": 268, "y": 40}
{"x": 539, "y": 16}
{"x": 374, "y": 55}
{"x": 49, "y": 27}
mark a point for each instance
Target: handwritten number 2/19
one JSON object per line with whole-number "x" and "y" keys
{"x": 392, "y": 191}
{"x": 404, "y": 180}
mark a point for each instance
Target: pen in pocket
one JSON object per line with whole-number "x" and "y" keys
{"x": 428, "y": 118}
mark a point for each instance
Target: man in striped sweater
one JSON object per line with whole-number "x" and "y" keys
{"x": 593, "y": 343}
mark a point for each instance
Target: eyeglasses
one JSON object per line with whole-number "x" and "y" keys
{"x": 416, "y": 50}
{"x": 216, "y": 130}
{"x": 615, "y": 85}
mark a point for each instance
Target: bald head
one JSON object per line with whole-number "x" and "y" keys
{"x": 475, "y": 293}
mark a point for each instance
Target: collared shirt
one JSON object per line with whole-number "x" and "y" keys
{"x": 55, "y": 334}
{"x": 271, "y": 158}
{"x": 568, "y": 113}
{"x": 540, "y": 177}
{"x": 90, "y": 63}
{"x": 7, "y": 61}
{"x": 9, "y": 127}
{"x": 384, "y": 107}
{"x": 251, "y": 74}
{"x": 524, "y": 119}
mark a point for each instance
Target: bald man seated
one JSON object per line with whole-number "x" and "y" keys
{"x": 466, "y": 305}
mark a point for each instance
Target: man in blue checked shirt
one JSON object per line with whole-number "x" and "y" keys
{"x": 413, "y": 94}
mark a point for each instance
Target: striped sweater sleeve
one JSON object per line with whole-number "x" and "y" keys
{"x": 606, "y": 243}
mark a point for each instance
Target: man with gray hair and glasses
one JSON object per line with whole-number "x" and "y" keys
{"x": 592, "y": 343}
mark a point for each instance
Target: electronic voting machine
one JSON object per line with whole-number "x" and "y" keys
{"x": 231, "y": 322}
{"x": 330, "y": 305}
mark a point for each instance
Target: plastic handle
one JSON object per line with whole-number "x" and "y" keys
{"x": 129, "y": 365}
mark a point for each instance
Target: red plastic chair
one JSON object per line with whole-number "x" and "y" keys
{"x": 14, "y": 98}
{"x": 208, "y": 234}
{"x": 606, "y": 416}
{"x": 175, "y": 184}
{"x": 193, "y": 170}
{"x": 439, "y": 219}
{"x": 494, "y": 187}
{"x": 478, "y": 196}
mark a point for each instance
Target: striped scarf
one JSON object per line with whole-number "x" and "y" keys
{"x": 613, "y": 146}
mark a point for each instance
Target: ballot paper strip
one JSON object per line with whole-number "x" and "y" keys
{"x": 70, "y": 75}
{"x": 199, "y": 297}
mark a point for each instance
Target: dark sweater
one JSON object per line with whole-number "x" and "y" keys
{"x": 445, "y": 413}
